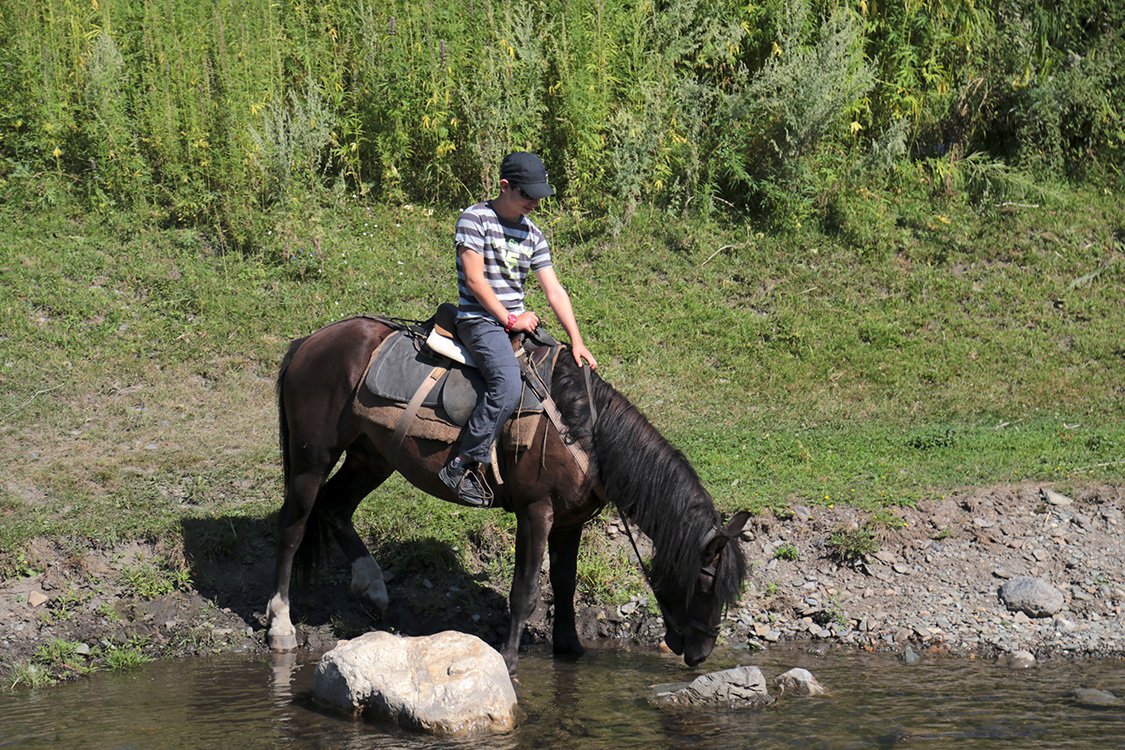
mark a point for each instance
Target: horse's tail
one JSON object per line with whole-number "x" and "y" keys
{"x": 283, "y": 421}
{"x": 314, "y": 542}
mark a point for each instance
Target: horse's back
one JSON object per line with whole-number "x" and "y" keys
{"x": 322, "y": 374}
{"x": 337, "y": 349}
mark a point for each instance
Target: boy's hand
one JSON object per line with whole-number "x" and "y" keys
{"x": 580, "y": 353}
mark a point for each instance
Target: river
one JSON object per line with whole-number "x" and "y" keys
{"x": 875, "y": 701}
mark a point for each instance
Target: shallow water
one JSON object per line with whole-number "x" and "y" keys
{"x": 876, "y": 701}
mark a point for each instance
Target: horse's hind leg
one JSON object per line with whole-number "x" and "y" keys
{"x": 334, "y": 502}
{"x": 360, "y": 474}
{"x": 300, "y": 496}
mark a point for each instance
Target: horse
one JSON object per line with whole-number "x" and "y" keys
{"x": 697, "y": 565}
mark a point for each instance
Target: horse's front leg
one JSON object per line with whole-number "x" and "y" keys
{"x": 532, "y": 527}
{"x": 563, "y": 546}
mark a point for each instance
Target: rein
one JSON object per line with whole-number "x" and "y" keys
{"x": 669, "y": 620}
{"x": 707, "y": 570}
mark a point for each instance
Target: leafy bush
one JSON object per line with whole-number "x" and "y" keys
{"x": 789, "y": 107}
{"x": 215, "y": 114}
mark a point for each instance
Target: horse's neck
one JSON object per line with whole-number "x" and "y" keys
{"x": 668, "y": 526}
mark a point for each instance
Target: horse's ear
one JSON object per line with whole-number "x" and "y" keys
{"x": 737, "y": 521}
{"x": 720, "y": 538}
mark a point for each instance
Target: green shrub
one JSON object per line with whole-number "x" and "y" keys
{"x": 786, "y": 552}
{"x": 852, "y": 545}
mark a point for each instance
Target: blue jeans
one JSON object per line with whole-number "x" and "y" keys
{"x": 492, "y": 351}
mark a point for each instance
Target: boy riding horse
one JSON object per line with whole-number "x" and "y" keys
{"x": 497, "y": 244}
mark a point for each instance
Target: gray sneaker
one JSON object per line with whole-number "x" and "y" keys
{"x": 468, "y": 484}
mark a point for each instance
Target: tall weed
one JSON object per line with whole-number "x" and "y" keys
{"x": 789, "y": 108}
{"x": 182, "y": 109}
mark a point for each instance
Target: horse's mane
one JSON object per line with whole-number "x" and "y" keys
{"x": 651, "y": 482}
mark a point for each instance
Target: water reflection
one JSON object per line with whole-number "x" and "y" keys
{"x": 876, "y": 701}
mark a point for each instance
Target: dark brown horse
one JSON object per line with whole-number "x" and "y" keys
{"x": 696, "y": 570}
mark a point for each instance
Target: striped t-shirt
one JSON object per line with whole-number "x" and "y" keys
{"x": 510, "y": 249}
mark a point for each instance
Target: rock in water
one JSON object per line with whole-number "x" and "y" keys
{"x": 738, "y": 687}
{"x": 1032, "y": 596}
{"x": 800, "y": 682}
{"x": 1096, "y": 697}
{"x": 449, "y": 683}
{"x": 1021, "y": 659}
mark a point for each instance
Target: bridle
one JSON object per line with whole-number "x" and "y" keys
{"x": 706, "y": 571}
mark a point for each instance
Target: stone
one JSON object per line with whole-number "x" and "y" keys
{"x": 885, "y": 556}
{"x": 449, "y": 683}
{"x": 1018, "y": 660}
{"x": 733, "y": 688}
{"x": 1032, "y": 596}
{"x": 800, "y": 682}
{"x": 1054, "y": 498}
{"x": 37, "y": 599}
{"x": 1064, "y": 625}
{"x": 1096, "y": 697}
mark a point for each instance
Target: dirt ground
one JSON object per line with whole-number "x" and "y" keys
{"x": 929, "y": 581}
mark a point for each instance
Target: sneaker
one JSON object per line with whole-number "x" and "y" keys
{"x": 468, "y": 484}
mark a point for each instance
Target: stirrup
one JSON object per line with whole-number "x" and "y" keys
{"x": 485, "y": 497}
{"x": 481, "y": 499}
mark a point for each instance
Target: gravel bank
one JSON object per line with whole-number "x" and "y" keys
{"x": 930, "y": 582}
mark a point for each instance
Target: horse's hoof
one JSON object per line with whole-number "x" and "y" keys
{"x": 283, "y": 644}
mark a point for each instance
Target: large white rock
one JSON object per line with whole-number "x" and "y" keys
{"x": 449, "y": 683}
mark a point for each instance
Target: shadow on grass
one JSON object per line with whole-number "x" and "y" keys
{"x": 232, "y": 564}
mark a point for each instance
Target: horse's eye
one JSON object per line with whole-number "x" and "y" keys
{"x": 707, "y": 579}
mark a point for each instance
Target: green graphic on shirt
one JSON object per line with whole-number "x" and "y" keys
{"x": 510, "y": 252}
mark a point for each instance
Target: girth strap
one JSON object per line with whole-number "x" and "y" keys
{"x": 412, "y": 408}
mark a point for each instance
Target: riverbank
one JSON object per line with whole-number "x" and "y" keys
{"x": 929, "y": 579}
{"x": 139, "y": 505}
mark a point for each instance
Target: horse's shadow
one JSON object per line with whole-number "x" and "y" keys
{"x": 232, "y": 565}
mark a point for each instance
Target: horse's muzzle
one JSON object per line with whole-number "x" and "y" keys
{"x": 675, "y": 642}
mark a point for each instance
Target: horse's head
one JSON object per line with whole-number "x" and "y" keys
{"x": 692, "y": 616}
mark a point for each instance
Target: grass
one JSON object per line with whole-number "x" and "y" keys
{"x": 125, "y": 658}
{"x": 149, "y": 581}
{"x": 944, "y": 347}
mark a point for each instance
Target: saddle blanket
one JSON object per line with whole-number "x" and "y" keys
{"x": 401, "y": 365}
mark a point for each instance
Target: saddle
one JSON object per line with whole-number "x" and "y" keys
{"x": 428, "y": 369}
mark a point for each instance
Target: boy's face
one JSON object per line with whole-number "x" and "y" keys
{"x": 515, "y": 200}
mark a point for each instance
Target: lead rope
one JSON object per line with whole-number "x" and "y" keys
{"x": 668, "y": 619}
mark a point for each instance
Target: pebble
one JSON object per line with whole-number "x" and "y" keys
{"x": 1055, "y": 498}
{"x": 943, "y": 593}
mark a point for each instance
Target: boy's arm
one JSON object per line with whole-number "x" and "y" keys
{"x": 473, "y": 263}
{"x": 559, "y": 301}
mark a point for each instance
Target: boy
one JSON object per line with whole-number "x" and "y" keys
{"x": 496, "y": 246}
